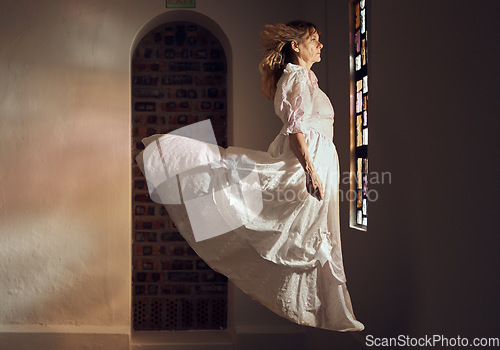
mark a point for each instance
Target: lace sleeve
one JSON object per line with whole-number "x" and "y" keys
{"x": 293, "y": 103}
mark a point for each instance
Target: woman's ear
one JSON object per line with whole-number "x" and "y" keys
{"x": 295, "y": 46}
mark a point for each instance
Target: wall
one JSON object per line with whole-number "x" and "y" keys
{"x": 65, "y": 218}
{"x": 65, "y": 174}
{"x": 428, "y": 264}
{"x": 440, "y": 230}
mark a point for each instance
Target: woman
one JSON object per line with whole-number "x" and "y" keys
{"x": 300, "y": 47}
{"x": 286, "y": 253}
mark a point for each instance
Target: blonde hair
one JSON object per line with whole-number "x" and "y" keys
{"x": 277, "y": 50}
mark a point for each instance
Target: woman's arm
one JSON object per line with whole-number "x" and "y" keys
{"x": 299, "y": 147}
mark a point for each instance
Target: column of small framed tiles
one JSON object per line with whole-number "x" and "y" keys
{"x": 179, "y": 76}
{"x": 359, "y": 113}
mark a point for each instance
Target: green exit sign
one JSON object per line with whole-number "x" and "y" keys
{"x": 181, "y": 3}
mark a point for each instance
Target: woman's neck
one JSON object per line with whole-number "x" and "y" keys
{"x": 300, "y": 62}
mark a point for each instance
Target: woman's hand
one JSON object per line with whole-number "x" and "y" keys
{"x": 314, "y": 185}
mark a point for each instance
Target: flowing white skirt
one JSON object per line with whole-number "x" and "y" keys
{"x": 247, "y": 214}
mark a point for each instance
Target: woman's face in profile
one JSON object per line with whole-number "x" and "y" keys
{"x": 309, "y": 49}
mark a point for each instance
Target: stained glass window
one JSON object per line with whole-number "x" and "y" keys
{"x": 359, "y": 113}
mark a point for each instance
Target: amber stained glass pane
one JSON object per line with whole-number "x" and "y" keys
{"x": 358, "y": 20}
{"x": 359, "y": 131}
{"x": 363, "y": 52}
{"x": 359, "y": 200}
{"x": 359, "y": 174}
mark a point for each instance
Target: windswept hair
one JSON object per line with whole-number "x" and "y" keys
{"x": 277, "y": 52}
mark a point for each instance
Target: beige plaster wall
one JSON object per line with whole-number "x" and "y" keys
{"x": 65, "y": 151}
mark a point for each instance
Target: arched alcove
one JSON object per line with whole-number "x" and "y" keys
{"x": 179, "y": 75}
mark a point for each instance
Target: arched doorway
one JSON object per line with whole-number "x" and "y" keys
{"x": 179, "y": 76}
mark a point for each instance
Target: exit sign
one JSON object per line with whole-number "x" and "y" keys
{"x": 181, "y": 3}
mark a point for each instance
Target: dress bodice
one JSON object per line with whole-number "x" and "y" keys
{"x": 301, "y": 104}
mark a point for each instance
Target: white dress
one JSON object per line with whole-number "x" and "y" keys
{"x": 262, "y": 229}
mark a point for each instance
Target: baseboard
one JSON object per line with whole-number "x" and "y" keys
{"x": 182, "y": 340}
{"x": 242, "y": 338}
{"x": 30, "y": 337}
{"x": 270, "y": 338}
